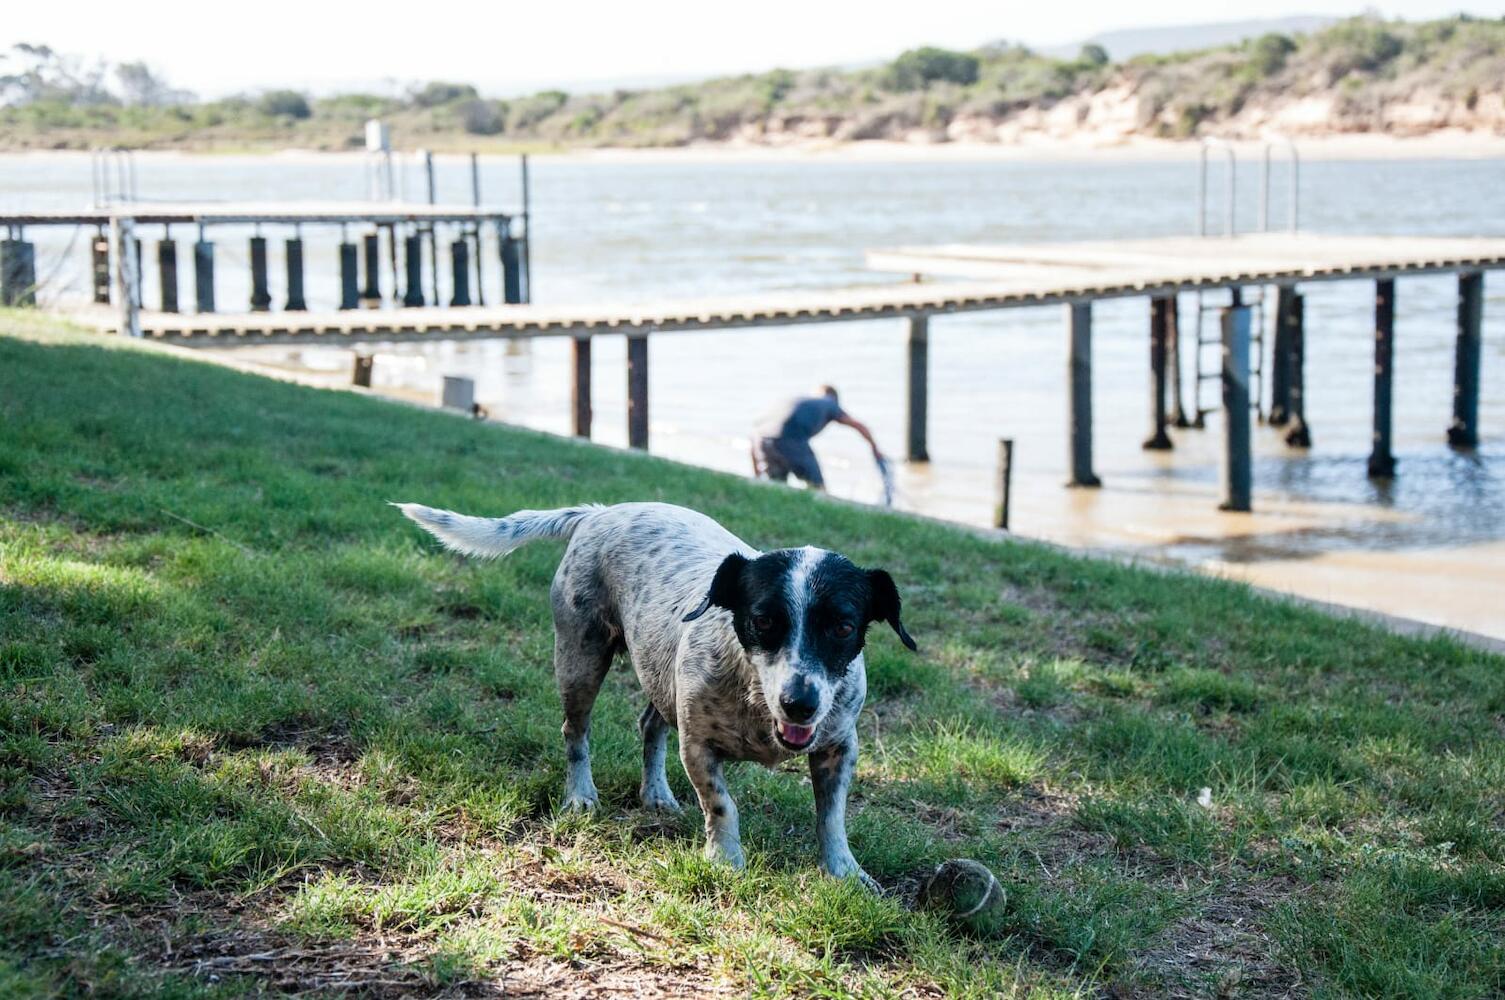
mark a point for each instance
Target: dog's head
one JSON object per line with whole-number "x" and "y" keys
{"x": 802, "y": 615}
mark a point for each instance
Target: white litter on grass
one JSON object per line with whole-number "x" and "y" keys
{"x": 1204, "y": 798}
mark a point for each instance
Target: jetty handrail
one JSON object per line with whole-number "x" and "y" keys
{"x": 1228, "y": 189}
{"x": 1264, "y": 183}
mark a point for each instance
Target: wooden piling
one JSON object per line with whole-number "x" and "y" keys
{"x": 475, "y": 238}
{"x": 350, "y": 291}
{"x": 1160, "y": 313}
{"x": 637, "y": 391}
{"x": 203, "y": 275}
{"x": 1173, "y": 360}
{"x": 293, "y": 258}
{"x": 1299, "y": 436}
{"x": 261, "y": 295}
{"x": 526, "y": 259}
{"x": 1464, "y": 431}
{"x": 361, "y": 372}
{"x": 371, "y": 293}
{"x": 459, "y": 273}
{"x": 580, "y": 389}
{"x": 512, "y": 268}
{"x": 99, "y": 256}
{"x": 18, "y": 273}
{"x": 413, "y": 251}
{"x": 919, "y": 378}
{"x": 1237, "y": 446}
{"x": 127, "y": 289}
{"x": 1079, "y": 385}
{"x": 1381, "y": 458}
{"x": 433, "y": 237}
{"x": 167, "y": 274}
{"x": 1280, "y": 358}
{"x": 392, "y": 261}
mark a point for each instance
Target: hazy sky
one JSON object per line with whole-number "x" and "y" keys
{"x": 508, "y": 46}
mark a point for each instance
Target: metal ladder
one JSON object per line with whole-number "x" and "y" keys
{"x": 112, "y": 175}
{"x": 1208, "y": 352}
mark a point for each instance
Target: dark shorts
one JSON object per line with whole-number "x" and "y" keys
{"x": 783, "y": 457}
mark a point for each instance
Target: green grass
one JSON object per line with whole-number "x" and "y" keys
{"x": 248, "y": 709}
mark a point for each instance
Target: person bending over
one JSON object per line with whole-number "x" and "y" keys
{"x": 781, "y": 442}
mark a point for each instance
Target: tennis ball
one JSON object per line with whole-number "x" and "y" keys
{"x": 968, "y": 893}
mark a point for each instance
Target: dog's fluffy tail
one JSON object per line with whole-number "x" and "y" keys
{"x": 489, "y": 537}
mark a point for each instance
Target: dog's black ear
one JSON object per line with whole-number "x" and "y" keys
{"x": 883, "y": 605}
{"x": 726, "y": 587}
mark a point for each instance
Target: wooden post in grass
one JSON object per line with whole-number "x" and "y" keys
{"x": 1237, "y": 457}
{"x": 1005, "y": 482}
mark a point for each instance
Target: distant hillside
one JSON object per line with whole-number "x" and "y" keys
{"x": 1160, "y": 41}
{"x": 1357, "y": 75}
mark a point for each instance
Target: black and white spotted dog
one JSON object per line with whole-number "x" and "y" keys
{"x": 751, "y": 656}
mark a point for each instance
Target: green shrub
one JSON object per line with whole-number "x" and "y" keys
{"x": 1094, "y": 55}
{"x": 1268, "y": 53}
{"x": 919, "y": 68}
{"x": 284, "y": 104}
{"x": 437, "y": 93}
{"x": 480, "y": 117}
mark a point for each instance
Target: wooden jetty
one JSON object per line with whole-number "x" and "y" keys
{"x": 978, "y": 278}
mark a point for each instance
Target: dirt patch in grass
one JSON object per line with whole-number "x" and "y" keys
{"x": 395, "y": 965}
{"x": 1223, "y": 949}
{"x": 1045, "y": 821}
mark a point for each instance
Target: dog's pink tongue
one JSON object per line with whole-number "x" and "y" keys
{"x": 796, "y": 735}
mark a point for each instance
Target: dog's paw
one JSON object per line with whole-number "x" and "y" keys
{"x": 849, "y": 868}
{"x": 725, "y": 854}
{"x": 580, "y": 800}
{"x": 659, "y": 800}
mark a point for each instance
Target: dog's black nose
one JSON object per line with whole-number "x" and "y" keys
{"x": 799, "y": 700}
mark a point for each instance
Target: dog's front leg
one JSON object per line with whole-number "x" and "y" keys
{"x": 723, "y": 839}
{"x": 831, "y": 777}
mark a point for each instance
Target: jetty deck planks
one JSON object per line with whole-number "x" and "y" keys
{"x": 978, "y": 278}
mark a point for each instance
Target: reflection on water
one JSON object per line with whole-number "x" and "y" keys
{"x": 1438, "y": 499}
{"x": 653, "y": 230}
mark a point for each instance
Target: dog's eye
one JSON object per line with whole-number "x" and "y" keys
{"x": 843, "y": 630}
{"x": 762, "y": 623}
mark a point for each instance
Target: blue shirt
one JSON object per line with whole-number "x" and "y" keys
{"x": 802, "y": 419}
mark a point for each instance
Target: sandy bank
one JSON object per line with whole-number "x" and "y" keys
{"x": 1441, "y": 145}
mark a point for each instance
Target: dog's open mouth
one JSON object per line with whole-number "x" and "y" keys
{"x": 795, "y": 737}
